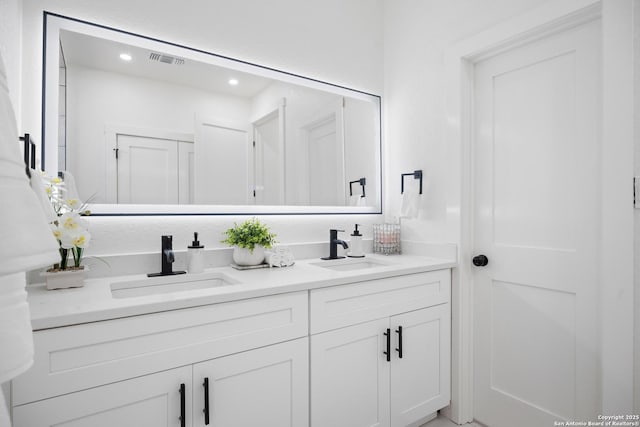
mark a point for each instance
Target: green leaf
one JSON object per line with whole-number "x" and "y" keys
{"x": 249, "y": 234}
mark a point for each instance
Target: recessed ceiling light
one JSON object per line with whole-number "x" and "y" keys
{"x": 233, "y": 82}
{"x": 125, "y": 57}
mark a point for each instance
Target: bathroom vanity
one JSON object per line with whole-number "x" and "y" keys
{"x": 355, "y": 342}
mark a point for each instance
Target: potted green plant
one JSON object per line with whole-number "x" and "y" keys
{"x": 249, "y": 240}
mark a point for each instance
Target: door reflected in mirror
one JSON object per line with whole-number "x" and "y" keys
{"x": 138, "y": 121}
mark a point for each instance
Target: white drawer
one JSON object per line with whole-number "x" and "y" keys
{"x": 78, "y": 357}
{"x": 340, "y": 306}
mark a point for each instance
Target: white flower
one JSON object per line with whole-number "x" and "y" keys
{"x": 82, "y": 240}
{"x": 72, "y": 221}
{"x": 78, "y": 238}
{"x": 57, "y": 232}
{"x": 73, "y": 204}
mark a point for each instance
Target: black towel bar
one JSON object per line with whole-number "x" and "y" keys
{"x": 416, "y": 174}
{"x": 362, "y": 182}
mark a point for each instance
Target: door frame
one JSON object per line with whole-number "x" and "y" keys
{"x": 320, "y": 117}
{"x": 258, "y": 150}
{"x": 616, "y": 227}
{"x": 111, "y": 132}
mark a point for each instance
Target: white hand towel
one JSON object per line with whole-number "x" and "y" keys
{"x": 353, "y": 200}
{"x": 70, "y": 186}
{"x": 27, "y": 243}
{"x": 362, "y": 201}
{"x": 16, "y": 344}
{"x": 288, "y": 260}
{"x": 273, "y": 259}
{"x": 410, "y": 200}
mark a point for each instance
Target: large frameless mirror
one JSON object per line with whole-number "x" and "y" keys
{"x": 151, "y": 127}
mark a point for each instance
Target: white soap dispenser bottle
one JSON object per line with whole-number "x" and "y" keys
{"x": 355, "y": 244}
{"x": 194, "y": 252}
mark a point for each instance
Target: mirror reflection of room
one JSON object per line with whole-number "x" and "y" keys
{"x": 138, "y": 126}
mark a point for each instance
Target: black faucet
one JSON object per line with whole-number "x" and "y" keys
{"x": 333, "y": 244}
{"x": 167, "y": 259}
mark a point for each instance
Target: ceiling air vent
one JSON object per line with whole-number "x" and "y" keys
{"x": 165, "y": 58}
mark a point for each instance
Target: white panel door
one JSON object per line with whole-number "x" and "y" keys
{"x": 222, "y": 164}
{"x": 147, "y": 170}
{"x": 269, "y": 161}
{"x": 186, "y": 170}
{"x": 350, "y": 377}
{"x": 326, "y": 163}
{"x": 536, "y": 208}
{"x": 268, "y": 386}
{"x": 420, "y": 380}
{"x": 148, "y": 401}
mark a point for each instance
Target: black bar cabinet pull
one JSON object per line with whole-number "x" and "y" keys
{"x": 399, "y": 349}
{"x": 388, "y": 352}
{"x": 206, "y": 401}
{"x": 183, "y": 419}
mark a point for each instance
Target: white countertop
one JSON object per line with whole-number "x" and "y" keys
{"x": 94, "y": 302}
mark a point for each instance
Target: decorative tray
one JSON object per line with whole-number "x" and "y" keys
{"x": 249, "y": 267}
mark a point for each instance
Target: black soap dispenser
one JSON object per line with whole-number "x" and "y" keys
{"x": 355, "y": 244}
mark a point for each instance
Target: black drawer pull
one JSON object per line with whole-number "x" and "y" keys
{"x": 399, "y": 349}
{"x": 183, "y": 418}
{"x": 388, "y": 352}
{"x": 206, "y": 401}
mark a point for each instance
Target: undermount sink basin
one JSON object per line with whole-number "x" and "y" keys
{"x": 169, "y": 284}
{"x": 348, "y": 264}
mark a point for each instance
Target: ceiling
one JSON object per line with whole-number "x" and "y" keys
{"x": 97, "y": 53}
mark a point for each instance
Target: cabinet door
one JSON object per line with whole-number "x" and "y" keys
{"x": 148, "y": 401}
{"x": 268, "y": 386}
{"x": 420, "y": 379}
{"x": 350, "y": 377}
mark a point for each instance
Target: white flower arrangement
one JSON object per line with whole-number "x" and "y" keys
{"x": 71, "y": 231}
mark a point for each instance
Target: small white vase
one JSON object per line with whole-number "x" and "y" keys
{"x": 62, "y": 279}
{"x": 243, "y": 256}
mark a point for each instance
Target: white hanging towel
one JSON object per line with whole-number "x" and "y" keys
{"x": 70, "y": 186}
{"x": 410, "y": 199}
{"x": 16, "y": 344}
{"x": 27, "y": 243}
{"x": 27, "y": 240}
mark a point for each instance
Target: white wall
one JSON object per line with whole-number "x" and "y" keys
{"x": 332, "y": 40}
{"x": 97, "y": 98}
{"x": 416, "y": 36}
{"x": 10, "y": 44}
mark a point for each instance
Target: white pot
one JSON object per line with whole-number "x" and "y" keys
{"x": 65, "y": 278}
{"x": 243, "y": 256}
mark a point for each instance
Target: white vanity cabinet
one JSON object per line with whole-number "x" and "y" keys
{"x": 380, "y": 351}
{"x": 264, "y": 387}
{"x": 148, "y": 401}
{"x": 321, "y": 357}
{"x": 129, "y": 371}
